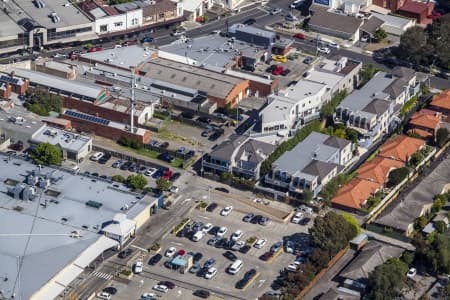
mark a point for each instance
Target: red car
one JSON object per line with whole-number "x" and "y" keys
{"x": 166, "y": 175}
{"x": 130, "y": 43}
{"x": 435, "y": 15}
{"x": 181, "y": 252}
{"x": 96, "y": 49}
{"x": 278, "y": 70}
{"x": 299, "y": 36}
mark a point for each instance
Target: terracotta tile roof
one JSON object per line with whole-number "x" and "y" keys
{"x": 401, "y": 148}
{"x": 442, "y": 100}
{"x": 378, "y": 169}
{"x": 355, "y": 193}
{"x": 426, "y": 118}
{"x": 423, "y": 133}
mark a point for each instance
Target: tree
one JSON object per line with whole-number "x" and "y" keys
{"x": 163, "y": 184}
{"x": 331, "y": 233}
{"x": 420, "y": 222}
{"x": 307, "y": 195}
{"x": 387, "y": 280}
{"x": 435, "y": 255}
{"x": 47, "y": 154}
{"x": 43, "y": 102}
{"x": 352, "y": 221}
{"x": 380, "y": 34}
{"x": 416, "y": 158}
{"x": 398, "y": 175}
{"x": 137, "y": 182}
{"x": 408, "y": 257}
{"x": 366, "y": 73}
{"x": 441, "y": 136}
{"x": 440, "y": 226}
{"x": 412, "y": 44}
{"x": 118, "y": 178}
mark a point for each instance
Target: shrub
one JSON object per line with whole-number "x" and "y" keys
{"x": 398, "y": 175}
{"x": 126, "y": 272}
{"x": 119, "y": 178}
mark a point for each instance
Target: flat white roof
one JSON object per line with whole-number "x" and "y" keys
{"x": 68, "y": 141}
{"x": 122, "y": 57}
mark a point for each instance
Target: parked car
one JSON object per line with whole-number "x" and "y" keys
{"x": 125, "y": 165}
{"x": 202, "y": 294}
{"x": 155, "y": 259}
{"x": 230, "y": 255}
{"x": 204, "y": 120}
{"x": 125, "y": 253}
{"x": 333, "y": 45}
{"x": 164, "y": 145}
{"x": 138, "y": 267}
{"x": 411, "y": 273}
{"x": 237, "y": 235}
{"x": 105, "y": 158}
{"x": 308, "y": 60}
{"x": 249, "y": 22}
{"x": 134, "y": 168}
{"x": 95, "y": 49}
{"x": 276, "y": 11}
{"x": 222, "y": 231}
{"x": 212, "y": 241}
{"x": 279, "y": 58}
{"x": 169, "y": 284}
{"x": 266, "y": 256}
{"x": 175, "y": 176}
{"x": 207, "y": 227}
{"x": 264, "y": 221}
{"x": 255, "y": 219}
{"x": 323, "y": 50}
{"x": 213, "y": 137}
{"x": 209, "y": 263}
{"x": 167, "y": 174}
{"x": 245, "y": 249}
{"x": 299, "y": 36}
{"x": 147, "y": 39}
{"x": 150, "y": 171}
{"x": 285, "y": 72}
{"x": 96, "y": 156}
{"x": 271, "y": 68}
{"x": 211, "y": 273}
{"x": 142, "y": 170}
{"x": 118, "y": 163}
{"x": 174, "y": 189}
{"x": 110, "y": 290}
{"x": 170, "y": 252}
{"x": 104, "y": 295}
{"x": 198, "y": 236}
{"x": 177, "y": 33}
{"x": 278, "y": 70}
{"x": 226, "y": 211}
{"x": 195, "y": 268}
{"x": 275, "y": 247}
{"x": 248, "y": 217}
{"x": 211, "y": 207}
{"x": 260, "y": 243}
{"x": 166, "y": 157}
{"x": 158, "y": 173}
{"x": 297, "y": 217}
{"x": 197, "y": 257}
{"x": 304, "y": 221}
{"x": 161, "y": 288}
{"x": 221, "y": 189}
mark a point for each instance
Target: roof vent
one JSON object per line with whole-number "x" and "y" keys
{"x": 39, "y": 3}
{"x": 55, "y": 18}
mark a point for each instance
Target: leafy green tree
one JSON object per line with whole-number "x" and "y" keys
{"x": 420, "y": 222}
{"x": 441, "y": 136}
{"x": 416, "y": 158}
{"x": 307, "y": 195}
{"x": 163, "y": 184}
{"x": 440, "y": 226}
{"x": 328, "y": 108}
{"x": 412, "y": 44}
{"x": 366, "y": 73}
{"x": 380, "y": 34}
{"x": 407, "y": 257}
{"x": 331, "y": 233}
{"x": 137, "y": 181}
{"x": 47, "y": 154}
{"x": 352, "y": 221}
{"x": 396, "y": 176}
{"x": 436, "y": 255}
{"x": 387, "y": 280}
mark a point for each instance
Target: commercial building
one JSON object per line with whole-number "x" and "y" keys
{"x": 310, "y": 164}
{"x": 54, "y": 224}
{"x": 418, "y": 11}
{"x": 239, "y": 155}
{"x": 301, "y": 103}
{"x": 195, "y": 9}
{"x": 372, "y": 109}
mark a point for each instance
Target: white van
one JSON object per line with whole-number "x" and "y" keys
{"x": 235, "y": 267}
{"x": 198, "y": 236}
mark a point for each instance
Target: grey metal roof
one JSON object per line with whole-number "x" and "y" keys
{"x": 336, "y": 142}
{"x": 371, "y": 25}
{"x": 397, "y": 87}
{"x": 319, "y": 168}
{"x": 409, "y": 206}
{"x": 123, "y": 57}
{"x": 252, "y": 30}
{"x": 372, "y": 255}
{"x": 215, "y": 84}
{"x": 71, "y": 86}
{"x": 311, "y": 148}
{"x": 50, "y": 247}
{"x": 377, "y": 107}
{"x": 403, "y": 72}
{"x": 254, "y": 151}
{"x": 8, "y": 28}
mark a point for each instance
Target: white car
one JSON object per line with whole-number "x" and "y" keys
{"x": 222, "y": 231}
{"x": 178, "y": 33}
{"x": 207, "y": 227}
{"x": 323, "y": 50}
{"x": 138, "y": 267}
{"x": 174, "y": 189}
{"x": 297, "y": 217}
{"x": 170, "y": 252}
{"x": 306, "y": 209}
{"x": 150, "y": 171}
{"x": 226, "y": 211}
{"x": 97, "y": 155}
{"x": 236, "y": 235}
{"x": 260, "y": 243}
{"x": 148, "y": 296}
{"x": 104, "y": 295}
{"x": 198, "y": 236}
{"x": 211, "y": 273}
{"x": 293, "y": 266}
{"x": 411, "y": 273}
{"x": 333, "y": 45}
{"x": 276, "y": 11}
{"x": 161, "y": 288}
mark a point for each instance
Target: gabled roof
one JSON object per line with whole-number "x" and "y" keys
{"x": 422, "y": 133}
{"x": 319, "y": 168}
{"x": 334, "y": 21}
{"x": 355, "y": 193}
{"x": 371, "y": 256}
{"x": 372, "y": 25}
{"x": 396, "y": 88}
{"x": 336, "y": 142}
{"x": 254, "y": 151}
{"x": 442, "y": 100}
{"x": 401, "y": 148}
{"x": 226, "y": 149}
{"x": 378, "y": 169}
{"x": 425, "y": 119}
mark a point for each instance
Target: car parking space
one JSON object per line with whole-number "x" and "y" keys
{"x": 224, "y": 283}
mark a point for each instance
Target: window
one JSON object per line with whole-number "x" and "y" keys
{"x": 134, "y": 21}
{"x": 103, "y": 28}
{"x": 161, "y": 15}
{"x": 118, "y": 24}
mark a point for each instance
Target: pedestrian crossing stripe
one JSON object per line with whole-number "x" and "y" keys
{"x": 102, "y": 275}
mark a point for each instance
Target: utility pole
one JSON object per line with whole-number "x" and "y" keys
{"x": 132, "y": 103}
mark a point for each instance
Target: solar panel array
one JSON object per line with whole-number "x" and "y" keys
{"x": 86, "y": 117}
{"x": 9, "y": 79}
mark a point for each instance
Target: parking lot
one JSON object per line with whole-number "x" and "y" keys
{"x": 223, "y": 284}
{"x": 296, "y": 66}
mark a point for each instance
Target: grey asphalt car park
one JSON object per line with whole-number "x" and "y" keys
{"x": 224, "y": 283}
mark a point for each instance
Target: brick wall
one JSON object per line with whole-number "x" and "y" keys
{"x": 102, "y": 112}
{"x": 106, "y": 131}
